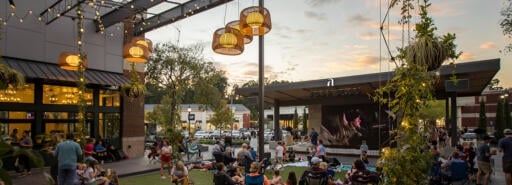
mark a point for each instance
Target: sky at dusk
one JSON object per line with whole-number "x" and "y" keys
{"x": 316, "y": 39}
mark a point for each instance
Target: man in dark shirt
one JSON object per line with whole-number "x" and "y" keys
{"x": 313, "y": 136}
{"x": 484, "y": 160}
{"x": 505, "y": 145}
{"x": 314, "y": 173}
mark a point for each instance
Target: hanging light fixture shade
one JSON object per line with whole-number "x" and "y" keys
{"x": 134, "y": 52}
{"x": 70, "y": 61}
{"x": 228, "y": 41}
{"x": 143, "y": 41}
{"x": 255, "y": 20}
{"x": 236, "y": 25}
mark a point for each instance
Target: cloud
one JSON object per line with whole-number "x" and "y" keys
{"x": 444, "y": 9}
{"x": 317, "y": 16}
{"x": 368, "y": 36}
{"x": 366, "y": 61}
{"x": 316, "y": 3}
{"x": 359, "y": 20}
{"x": 488, "y": 45}
{"x": 466, "y": 56}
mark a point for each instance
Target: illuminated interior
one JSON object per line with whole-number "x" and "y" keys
{"x": 53, "y": 94}
{"x": 24, "y": 94}
{"x": 109, "y": 98}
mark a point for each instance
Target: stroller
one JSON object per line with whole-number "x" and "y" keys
{"x": 153, "y": 152}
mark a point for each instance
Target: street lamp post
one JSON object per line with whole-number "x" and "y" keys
{"x": 188, "y": 118}
{"x": 233, "y": 110}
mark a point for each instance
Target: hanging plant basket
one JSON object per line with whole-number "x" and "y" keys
{"x": 428, "y": 52}
{"x": 133, "y": 90}
{"x": 10, "y": 77}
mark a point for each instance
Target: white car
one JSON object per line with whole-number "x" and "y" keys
{"x": 235, "y": 134}
{"x": 201, "y": 134}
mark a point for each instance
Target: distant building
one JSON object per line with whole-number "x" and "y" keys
{"x": 200, "y": 118}
{"x": 469, "y": 108}
{"x": 286, "y": 116}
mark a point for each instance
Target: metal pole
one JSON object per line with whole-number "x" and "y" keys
{"x": 261, "y": 86}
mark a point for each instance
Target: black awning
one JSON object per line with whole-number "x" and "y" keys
{"x": 47, "y": 71}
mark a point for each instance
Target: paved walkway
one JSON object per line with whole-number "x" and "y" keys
{"x": 142, "y": 165}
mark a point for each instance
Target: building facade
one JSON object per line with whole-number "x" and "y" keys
{"x": 199, "y": 118}
{"x": 469, "y": 108}
{"x": 47, "y": 104}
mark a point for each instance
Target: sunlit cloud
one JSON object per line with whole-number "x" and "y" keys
{"x": 359, "y": 20}
{"x": 316, "y": 3}
{"x": 488, "y": 45}
{"x": 316, "y": 16}
{"x": 441, "y": 9}
{"x": 466, "y": 56}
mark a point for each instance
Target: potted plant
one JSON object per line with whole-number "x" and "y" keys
{"x": 10, "y": 77}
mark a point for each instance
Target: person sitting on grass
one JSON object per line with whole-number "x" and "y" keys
{"x": 237, "y": 176}
{"x": 91, "y": 174}
{"x": 331, "y": 173}
{"x": 314, "y": 174}
{"x": 221, "y": 178}
{"x": 360, "y": 175}
{"x": 292, "y": 178}
{"x": 255, "y": 177}
{"x": 277, "y": 179}
{"x": 179, "y": 174}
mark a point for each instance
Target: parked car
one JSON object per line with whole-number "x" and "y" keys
{"x": 469, "y": 135}
{"x": 201, "y": 134}
{"x": 215, "y": 134}
{"x": 236, "y": 134}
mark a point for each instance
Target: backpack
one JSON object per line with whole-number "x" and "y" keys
{"x": 316, "y": 178}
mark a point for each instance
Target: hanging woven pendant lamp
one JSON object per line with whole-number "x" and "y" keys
{"x": 255, "y": 21}
{"x": 144, "y": 41}
{"x": 71, "y": 61}
{"x": 134, "y": 52}
{"x": 228, "y": 41}
{"x": 236, "y": 25}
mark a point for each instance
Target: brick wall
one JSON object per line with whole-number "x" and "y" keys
{"x": 133, "y": 146}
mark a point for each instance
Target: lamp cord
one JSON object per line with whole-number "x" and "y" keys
{"x": 225, "y": 13}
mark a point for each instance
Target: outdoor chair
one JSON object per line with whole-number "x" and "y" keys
{"x": 254, "y": 180}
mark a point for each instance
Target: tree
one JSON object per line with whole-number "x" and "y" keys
{"x": 295, "y": 119}
{"x": 506, "y": 23}
{"x": 410, "y": 92}
{"x": 222, "y": 115}
{"x": 433, "y": 111}
{"x": 508, "y": 117}
{"x": 178, "y": 70}
{"x": 482, "y": 120}
{"x": 304, "y": 123}
{"x": 500, "y": 120}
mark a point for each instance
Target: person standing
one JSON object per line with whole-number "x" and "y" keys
{"x": 505, "y": 145}
{"x": 279, "y": 154}
{"x": 26, "y": 145}
{"x": 165, "y": 153}
{"x": 67, "y": 153}
{"x": 364, "y": 147}
{"x": 320, "y": 150}
{"x": 484, "y": 160}
{"x": 313, "y": 136}
{"x": 254, "y": 141}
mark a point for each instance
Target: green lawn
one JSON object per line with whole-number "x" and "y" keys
{"x": 206, "y": 178}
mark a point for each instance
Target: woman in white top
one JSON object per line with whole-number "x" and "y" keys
{"x": 92, "y": 172}
{"x": 254, "y": 141}
{"x": 166, "y": 152}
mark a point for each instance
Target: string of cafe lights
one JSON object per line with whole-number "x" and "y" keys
{"x": 98, "y": 7}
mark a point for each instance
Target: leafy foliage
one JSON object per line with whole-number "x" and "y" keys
{"x": 177, "y": 71}
{"x": 506, "y": 23}
{"x": 222, "y": 115}
{"x": 408, "y": 94}
{"x": 482, "y": 119}
{"x": 304, "y": 123}
{"x": 295, "y": 119}
{"x": 500, "y": 120}
{"x": 508, "y": 117}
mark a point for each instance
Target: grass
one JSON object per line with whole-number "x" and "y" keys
{"x": 206, "y": 178}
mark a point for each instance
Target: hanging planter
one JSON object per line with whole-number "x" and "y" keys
{"x": 10, "y": 77}
{"x": 133, "y": 90}
{"x": 427, "y": 52}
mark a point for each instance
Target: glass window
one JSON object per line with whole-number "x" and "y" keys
{"x": 9, "y": 129}
{"x": 64, "y": 128}
{"x": 16, "y": 115}
{"x": 109, "y": 98}
{"x": 24, "y": 94}
{"x": 110, "y": 128}
{"x": 53, "y": 94}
